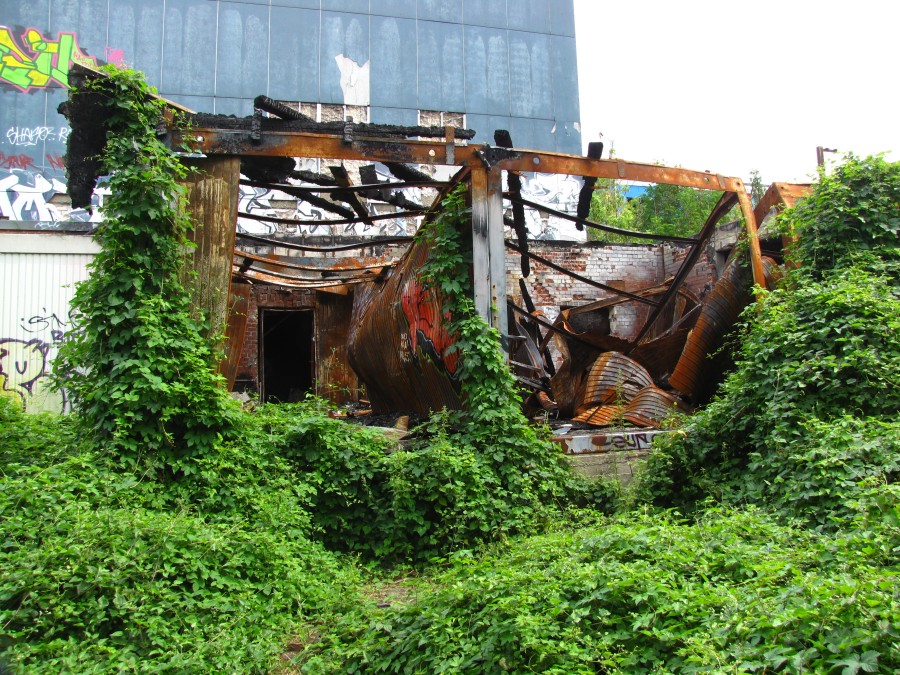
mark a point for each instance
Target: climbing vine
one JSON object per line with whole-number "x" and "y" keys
{"x": 135, "y": 364}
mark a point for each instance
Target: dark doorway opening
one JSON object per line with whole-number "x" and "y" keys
{"x": 285, "y": 355}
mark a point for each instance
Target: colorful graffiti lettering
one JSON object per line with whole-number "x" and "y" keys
{"x": 39, "y": 62}
{"x": 25, "y": 363}
{"x": 24, "y": 372}
{"x": 56, "y": 162}
{"x": 29, "y": 136}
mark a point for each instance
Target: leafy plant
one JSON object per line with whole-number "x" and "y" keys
{"x": 808, "y": 418}
{"x": 136, "y": 365}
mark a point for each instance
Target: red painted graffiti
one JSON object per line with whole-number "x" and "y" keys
{"x": 56, "y": 162}
{"x": 427, "y": 327}
{"x": 16, "y": 161}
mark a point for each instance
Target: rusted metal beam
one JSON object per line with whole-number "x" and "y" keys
{"x": 307, "y": 247}
{"x": 337, "y": 221}
{"x": 725, "y": 204}
{"x": 756, "y": 263}
{"x": 598, "y": 226}
{"x": 340, "y": 264}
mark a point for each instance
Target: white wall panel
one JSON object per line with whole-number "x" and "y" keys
{"x": 36, "y": 288}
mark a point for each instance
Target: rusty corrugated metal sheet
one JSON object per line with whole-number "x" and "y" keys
{"x": 719, "y": 313}
{"x": 398, "y": 342}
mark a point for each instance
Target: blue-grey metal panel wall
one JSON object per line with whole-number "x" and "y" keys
{"x": 506, "y": 63}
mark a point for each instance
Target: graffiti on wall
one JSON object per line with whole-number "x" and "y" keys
{"x": 27, "y": 195}
{"x": 35, "y": 62}
{"x": 29, "y": 136}
{"x": 25, "y": 363}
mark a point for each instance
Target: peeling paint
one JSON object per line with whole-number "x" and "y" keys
{"x": 354, "y": 80}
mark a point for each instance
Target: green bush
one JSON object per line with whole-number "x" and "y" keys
{"x": 108, "y": 570}
{"x": 808, "y": 418}
{"x": 730, "y": 592}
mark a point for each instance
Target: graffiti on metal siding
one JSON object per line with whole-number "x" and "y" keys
{"x": 25, "y": 195}
{"x": 25, "y": 363}
{"x": 35, "y": 62}
{"x": 20, "y": 161}
{"x": 29, "y": 136}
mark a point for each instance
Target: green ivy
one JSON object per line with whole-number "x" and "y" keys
{"x": 808, "y": 418}
{"x": 731, "y": 592}
{"x": 136, "y": 365}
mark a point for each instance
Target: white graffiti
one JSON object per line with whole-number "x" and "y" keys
{"x": 255, "y": 200}
{"x": 556, "y": 192}
{"x": 28, "y": 136}
{"x": 25, "y": 195}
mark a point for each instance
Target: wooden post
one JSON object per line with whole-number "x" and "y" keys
{"x": 488, "y": 250}
{"x": 212, "y": 200}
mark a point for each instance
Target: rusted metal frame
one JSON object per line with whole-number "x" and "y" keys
{"x": 597, "y": 226}
{"x": 319, "y": 189}
{"x": 309, "y": 268}
{"x": 578, "y": 277}
{"x": 336, "y": 221}
{"x": 305, "y": 247}
{"x": 529, "y": 305}
{"x": 724, "y": 205}
{"x": 488, "y": 255}
{"x": 549, "y": 162}
{"x": 781, "y": 196}
{"x": 331, "y": 280}
{"x": 756, "y": 263}
{"x": 549, "y": 326}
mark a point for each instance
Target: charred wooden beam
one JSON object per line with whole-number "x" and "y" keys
{"x": 336, "y": 221}
{"x": 595, "y": 150}
{"x": 600, "y": 226}
{"x": 306, "y": 195}
{"x": 279, "y": 109}
{"x": 375, "y": 241}
{"x": 514, "y": 183}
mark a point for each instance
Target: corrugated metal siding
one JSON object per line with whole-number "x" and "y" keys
{"x": 35, "y": 292}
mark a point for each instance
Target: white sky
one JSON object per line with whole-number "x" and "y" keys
{"x": 730, "y": 87}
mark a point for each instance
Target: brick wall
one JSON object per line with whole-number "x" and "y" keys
{"x": 628, "y": 267}
{"x": 265, "y": 297}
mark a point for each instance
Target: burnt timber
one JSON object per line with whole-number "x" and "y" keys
{"x": 266, "y": 147}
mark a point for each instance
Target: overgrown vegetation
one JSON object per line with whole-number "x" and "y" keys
{"x": 136, "y": 365}
{"x": 807, "y": 423}
{"x": 162, "y": 529}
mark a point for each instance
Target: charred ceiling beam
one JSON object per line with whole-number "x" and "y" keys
{"x": 369, "y": 243}
{"x": 514, "y": 183}
{"x": 600, "y": 226}
{"x": 342, "y": 176}
{"x": 337, "y": 264}
{"x": 595, "y": 150}
{"x": 343, "y": 221}
{"x": 725, "y": 204}
{"x": 279, "y": 109}
{"x": 306, "y": 195}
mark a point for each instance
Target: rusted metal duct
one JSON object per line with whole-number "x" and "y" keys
{"x": 619, "y": 390}
{"x": 398, "y": 342}
{"x": 719, "y": 313}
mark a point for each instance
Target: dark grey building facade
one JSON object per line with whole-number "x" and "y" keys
{"x": 502, "y": 63}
